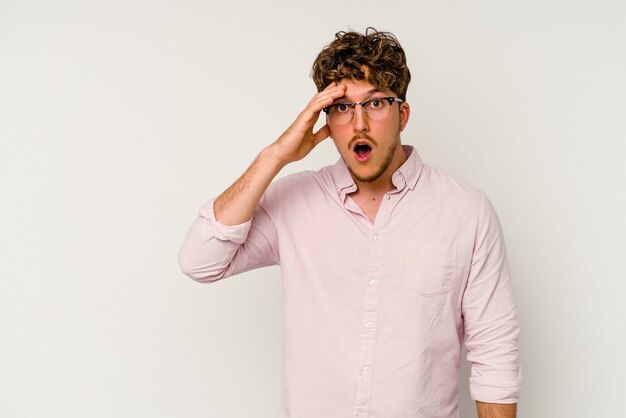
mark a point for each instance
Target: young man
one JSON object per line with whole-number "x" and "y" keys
{"x": 388, "y": 264}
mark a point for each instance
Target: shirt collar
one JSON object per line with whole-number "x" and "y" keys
{"x": 406, "y": 175}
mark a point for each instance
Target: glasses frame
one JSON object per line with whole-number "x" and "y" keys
{"x": 363, "y": 104}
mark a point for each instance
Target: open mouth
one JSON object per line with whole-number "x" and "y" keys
{"x": 362, "y": 151}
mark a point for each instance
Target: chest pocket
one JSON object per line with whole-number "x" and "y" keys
{"x": 429, "y": 266}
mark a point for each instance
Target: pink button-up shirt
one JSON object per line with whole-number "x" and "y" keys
{"x": 376, "y": 313}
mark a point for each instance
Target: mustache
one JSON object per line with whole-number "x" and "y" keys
{"x": 359, "y": 137}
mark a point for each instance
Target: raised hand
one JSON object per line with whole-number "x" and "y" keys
{"x": 298, "y": 140}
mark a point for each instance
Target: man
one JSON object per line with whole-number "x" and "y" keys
{"x": 388, "y": 264}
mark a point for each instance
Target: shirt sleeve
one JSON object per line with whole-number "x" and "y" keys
{"x": 212, "y": 251}
{"x": 491, "y": 326}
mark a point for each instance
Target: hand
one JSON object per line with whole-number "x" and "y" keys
{"x": 298, "y": 140}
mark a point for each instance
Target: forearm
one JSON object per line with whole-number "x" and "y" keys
{"x": 495, "y": 410}
{"x": 236, "y": 205}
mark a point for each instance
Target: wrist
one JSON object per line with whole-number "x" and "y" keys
{"x": 273, "y": 157}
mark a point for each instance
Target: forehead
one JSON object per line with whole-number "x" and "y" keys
{"x": 358, "y": 90}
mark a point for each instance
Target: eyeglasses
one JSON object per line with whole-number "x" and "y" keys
{"x": 376, "y": 108}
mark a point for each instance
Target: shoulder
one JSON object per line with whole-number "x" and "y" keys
{"x": 458, "y": 199}
{"x": 439, "y": 183}
{"x": 463, "y": 197}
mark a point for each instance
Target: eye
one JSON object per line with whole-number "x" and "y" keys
{"x": 376, "y": 104}
{"x": 342, "y": 107}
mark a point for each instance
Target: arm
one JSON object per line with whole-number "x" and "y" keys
{"x": 494, "y": 410}
{"x": 238, "y": 202}
{"x": 223, "y": 240}
{"x": 490, "y": 321}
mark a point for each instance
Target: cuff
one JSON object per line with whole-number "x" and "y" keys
{"x": 501, "y": 391}
{"x": 234, "y": 233}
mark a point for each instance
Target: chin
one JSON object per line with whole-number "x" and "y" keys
{"x": 374, "y": 172}
{"x": 367, "y": 176}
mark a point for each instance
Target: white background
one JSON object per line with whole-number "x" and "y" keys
{"x": 119, "y": 119}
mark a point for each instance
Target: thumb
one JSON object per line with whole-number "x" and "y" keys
{"x": 321, "y": 135}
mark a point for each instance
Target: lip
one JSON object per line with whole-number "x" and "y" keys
{"x": 365, "y": 158}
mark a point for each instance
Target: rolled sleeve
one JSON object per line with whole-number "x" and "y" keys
{"x": 234, "y": 233}
{"x": 491, "y": 326}
{"x": 212, "y": 250}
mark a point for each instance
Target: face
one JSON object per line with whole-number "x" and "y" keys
{"x": 370, "y": 148}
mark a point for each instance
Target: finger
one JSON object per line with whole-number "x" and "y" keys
{"x": 331, "y": 85}
{"x": 312, "y": 111}
{"x": 321, "y": 100}
{"x": 331, "y": 88}
{"x": 324, "y": 99}
{"x": 334, "y": 93}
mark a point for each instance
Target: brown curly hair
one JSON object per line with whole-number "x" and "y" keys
{"x": 376, "y": 57}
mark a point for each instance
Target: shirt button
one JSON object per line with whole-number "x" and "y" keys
{"x": 375, "y": 237}
{"x": 369, "y": 325}
{"x": 373, "y": 282}
{"x": 365, "y": 370}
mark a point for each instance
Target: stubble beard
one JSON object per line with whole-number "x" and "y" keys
{"x": 381, "y": 168}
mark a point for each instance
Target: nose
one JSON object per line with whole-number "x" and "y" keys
{"x": 360, "y": 121}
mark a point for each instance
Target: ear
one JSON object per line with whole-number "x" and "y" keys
{"x": 405, "y": 113}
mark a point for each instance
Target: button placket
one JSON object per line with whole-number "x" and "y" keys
{"x": 371, "y": 306}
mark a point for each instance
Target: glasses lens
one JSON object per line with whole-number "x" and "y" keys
{"x": 340, "y": 114}
{"x": 377, "y": 109}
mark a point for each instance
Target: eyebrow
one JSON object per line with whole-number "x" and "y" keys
{"x": 369, "y": 92}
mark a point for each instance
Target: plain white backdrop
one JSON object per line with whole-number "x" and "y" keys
{"x": 119, "y": 119}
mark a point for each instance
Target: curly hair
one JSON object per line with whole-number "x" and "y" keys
{"x": 376, "y": 57}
